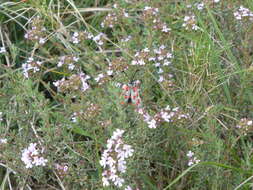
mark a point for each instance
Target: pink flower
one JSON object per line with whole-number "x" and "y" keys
{"x": 32, "y": 156}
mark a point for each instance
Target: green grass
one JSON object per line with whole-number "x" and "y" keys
{"x": 212, "y": 82}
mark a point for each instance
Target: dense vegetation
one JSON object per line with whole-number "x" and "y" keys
{"x": 126, "y": 94}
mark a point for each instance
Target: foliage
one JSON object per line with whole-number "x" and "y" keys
{"x": 69, "y": 75}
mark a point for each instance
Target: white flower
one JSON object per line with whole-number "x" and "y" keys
{"x": 71, "y": 66}
{"x": 98, "y": 39}
{"x": 249, "y": 122}
{"x": 31, "y": 156}
{"x": 160, "y": 71}
{"x": 119, "y": 182}
{"x": 152, "y": 124}
{"x": 128, "y": 150}
{"x": 190, "y": 23}
{"x": 75, "y": 40}
{"x": 146, "y": 50}
{"x": 161, "y": 78}
{"x": 2, "y": 50}
{"x": 74, "y": 115}
{"x": 3, "y": 141}
{"x": 142, "y": 62}
{"x": 122, "y": 166}
{"x": 128, "y": 38}
{"x": 30, "y": 65}
{"x": 195, "y": 27}
{"x": 128, "y": 188}
{"x": 117, "y": 134}
{"x": 99, "y": 77}
{"x": 192, "y": 158}
{"x": 200, "y": 6}
{"x": 39, "y": 161}
{"x": 166, "y": 62}
{"x": 243, "y": 12}
{"x": 76, "y": 34}
{"x": 115, "y": 6}
{"x": 113, "y": 159}
{"x": 103, "y": 162}
{"x": 157, "y": 64}
{"x": 134, "y": 62}
{"x": 165, "y": 29}
{"x": 105, "y": 181}
{"x": 190, "y": 163}
{"x": 147, "y": 8}
{"x": 190, "y": 154}
{"x": 42, "y": 40}
{"x": 166, "y": 116}
{"x": 126, "y": 14}
{"x": 152, "y": 59}
{"x": 109, "y": 72}
{"x": 85, "y": 86}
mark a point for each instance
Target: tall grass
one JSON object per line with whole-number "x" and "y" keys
{"x": 70, "y": 98}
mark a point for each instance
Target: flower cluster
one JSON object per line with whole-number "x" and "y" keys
{"x": 113, "y": 159}
{"x": 103, "y": 78}
{"x": 68, "y": 61}
{"x": 171, "y": 115}
{"x": 77, "y": 37}
{"x": 141, "y": 57}
{"x": 152, "y": 15}
{"x": 31, "y": 66}
{"x": 190, "y": 23}
{"x": 200, "y": 6}
{"x": 243, "y": 12}
{"x": 2, "y": 50}
{"x": 62, "y": 169}
{"x": 118, "y": 65}
{"x": 162, "y": 56}
{"x": 115, "y": 67}
{"x": 192, "y": 159}
{"x": 164, "y": 115}
{"x": 37, "y": 31}
{"x": 167, "y": 81}
{"x": 110, "y": 20}
{"x": 92, "y": 110}
{"x": 126, "y": 39}
{"x": 152, "y": 123}
{"x": 162, "y": 26}
{"x": 74, "y": 82}
{"x": 31, "y": 156}
{"x": 159, "y": 56}
{"x": 245, "y": 125}
{"x": 99, "y": 39}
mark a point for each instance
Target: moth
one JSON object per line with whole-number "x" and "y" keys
{"x": 131, "y": 93}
